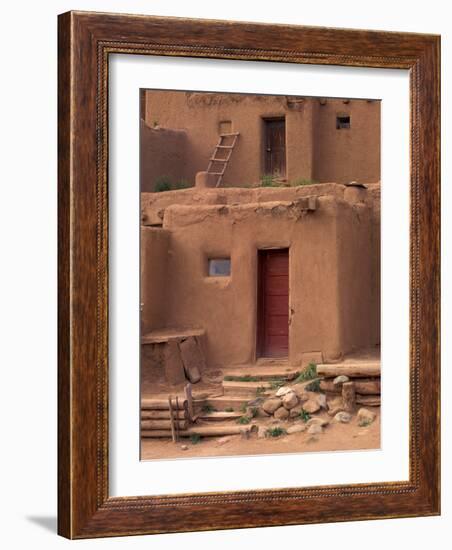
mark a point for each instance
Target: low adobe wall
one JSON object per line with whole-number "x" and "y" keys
{"x": 163, "y": 152}
{"x": 331, "y": 258}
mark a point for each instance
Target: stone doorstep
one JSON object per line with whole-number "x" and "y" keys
{"x": 263, "y": 371}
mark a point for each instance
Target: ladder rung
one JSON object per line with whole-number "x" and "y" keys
{"x": 216, "y": 173}
{"x": 231, "y": 134}
{"x": 218, "y": 160}
{"x": 225, "y": 147}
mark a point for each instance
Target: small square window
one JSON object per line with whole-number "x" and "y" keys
{"x": 342, "y": 122}
{"x": 219, "y": 267}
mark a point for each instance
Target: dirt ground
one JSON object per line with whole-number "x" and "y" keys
{"x": 335, "y": 437}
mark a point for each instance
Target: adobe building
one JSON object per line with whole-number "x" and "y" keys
{"x": 291, "y": 138}
{"x": 289, "y": 272}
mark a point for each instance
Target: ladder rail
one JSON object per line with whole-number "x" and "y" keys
{"x": 213, "y": 159}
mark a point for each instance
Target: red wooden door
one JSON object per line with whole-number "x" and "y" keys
{"x": 273, "y": 303}
{"x": 275, "y": 147}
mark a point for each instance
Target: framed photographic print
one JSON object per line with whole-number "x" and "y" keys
{"x": 248, "y": 275}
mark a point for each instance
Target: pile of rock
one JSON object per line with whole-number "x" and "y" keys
{"x": 288, "y": 403}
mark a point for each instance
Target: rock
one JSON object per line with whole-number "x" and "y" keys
{"x": 296, "y": 428}
{"x": 192, "y": 358}
{"x": 223, "y": 440}
{"x": 270, "y": 405}
{"x": 290, "y": 400}
{"x": 184, "y": 447}
{"x": 283, "y": 391}
{"x": 321, "y": 400}
{"x": 311, "y": 406}
{"x": 343, "y": 417}
{"x": 295, "y": 412}
{"x": 261, "y": 432}
{"x": 365, "y": 417}
{"x": 255, "y": 402}
{"x": 334, "y": 406}
{"x": 319, "y": 421}
{"x": 303, "y": 396}
{"x": 282, "y": 413}
{"x": 315, "y": 429}
{"x": 341, "y": 379}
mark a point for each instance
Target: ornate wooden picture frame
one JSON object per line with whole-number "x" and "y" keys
{"x": 86, "y": 40}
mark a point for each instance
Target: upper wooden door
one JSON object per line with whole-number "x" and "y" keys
{"x": 273, "y": 303}
{"x": 275, "y": 147}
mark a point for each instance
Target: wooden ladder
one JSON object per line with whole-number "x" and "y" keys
{"x": 215, "y": 161}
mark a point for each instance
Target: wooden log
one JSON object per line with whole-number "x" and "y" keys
{"x": 362, "y": 386}
{"x": 173, "y": 431}
{"x": 163, "y": 424}
{"x": 189, "y": 401}
{"x": 352, "y": 370}
{"x": 368, "y": 400}
{"x": 158, "y": 404}
{"x": 221, "y": 415}
{"x": 204, "y": 431}
{"x": 348, "y": 396}
{"x": 162, "y": 415}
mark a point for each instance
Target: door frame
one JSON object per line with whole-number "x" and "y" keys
{"x": 259, "y": 343}
{"x": 264, "y": 120}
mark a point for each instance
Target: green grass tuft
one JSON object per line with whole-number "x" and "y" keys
{"x": 308, "y": 373}
{"x": 304, "y": 415}
{"x": 195, "y": 438}
{"x": 229, "y": 410}
{"x": 244, "y": 419}
{"x": 208, "y": 408}
{"x": 275, "y": 432}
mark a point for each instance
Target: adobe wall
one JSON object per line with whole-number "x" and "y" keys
{"x": 315, "y": 150}
{"x": 348, "y": 154}
{"x": 332, "y": 293}
{"x": 154, "y": 249}
{"x": 163, "y": 152}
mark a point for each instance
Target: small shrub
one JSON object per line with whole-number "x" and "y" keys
{"x": 243, "y": 408}
{"x": 162, "y": 183}
{"x": 304, "y": 415}
{"x": 260, "y": 390}
{"x": 275, "y": 432}
{"x": 308, "y": 373}
{"x": 195, "y": 438}
{"x": 244, "y": 419}
{"x": 229, "y": 410}
{"x": 253, "y": 411}
{"x": 268, "y": 180}
{"x": 207, "y": 408}
{"x": 313, "y": 386}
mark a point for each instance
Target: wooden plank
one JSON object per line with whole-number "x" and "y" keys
{"x": 348, "y": 396}
{"x": 247, "y": 388}
{"x": 369, "y": 400}
{"x": 158, "y": 404}
{"x": 189, "y": 401}
{"x": 163, "y": 424}
{"x": 221, "y": 415}
{"x": 149, "y": 414}
{"x": 358, "y": 370}
{"x": 204, "y": 431}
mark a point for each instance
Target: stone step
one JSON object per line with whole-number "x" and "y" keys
{"x": 262, "y": 372}
{"x": 245, "y": 388}
{"x": 223, "y": 402}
